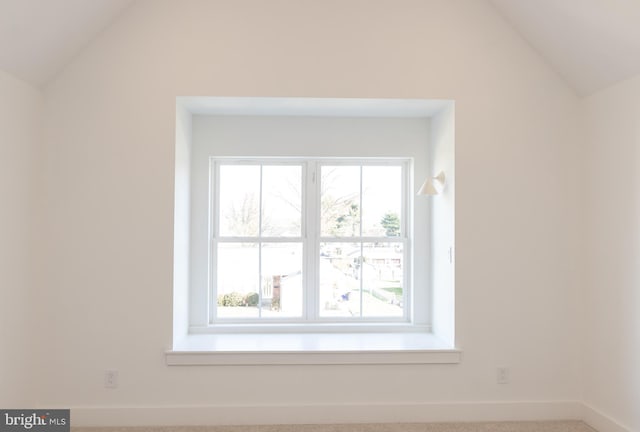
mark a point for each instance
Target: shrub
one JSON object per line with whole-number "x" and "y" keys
{"x": 231, "y": 299}
{"x": 251, "y": 299}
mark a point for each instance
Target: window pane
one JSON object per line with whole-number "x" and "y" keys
{"x": 340, "y": 201}
{"x": 281, "y": 201}
{"x": 239, "y": 200}
{"x": 282, "y": 279}
{"x": 382, "y": 277}
{"x": 237, "y": 281}
{"x": 381, "y": 201}
{"x": 340, "y": 279}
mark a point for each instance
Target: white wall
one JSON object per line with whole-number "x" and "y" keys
{"x": 20, "y": 106}
{"x": 182, "y": 225}
{"x": 612, "y": 318}
{"x": 106, "y": 285}
{"x": 442, "y": 159}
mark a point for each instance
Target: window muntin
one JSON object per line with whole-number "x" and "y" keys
{"x": 329, "y": 244}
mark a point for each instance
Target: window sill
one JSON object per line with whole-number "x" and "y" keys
{"x": 311, "y": 349}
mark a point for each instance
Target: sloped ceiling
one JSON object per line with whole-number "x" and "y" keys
{"x": 39, "y": 37}
{"x": 592, "y": 44}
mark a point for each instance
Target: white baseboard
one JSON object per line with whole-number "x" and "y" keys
{"x": 600, "y": 421}
{"x": 327, "y": 413}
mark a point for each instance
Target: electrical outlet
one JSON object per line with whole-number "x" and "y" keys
{"x": 502, "y": 375}
{"x": 111, "y": 379}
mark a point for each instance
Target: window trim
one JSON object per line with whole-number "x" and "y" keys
{"x": 311, "y": 349}
{"x": 311, "y": 238}
{"x": 202, "y": 129}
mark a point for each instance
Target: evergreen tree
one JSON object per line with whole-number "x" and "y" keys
{"x": 391, "y": 223}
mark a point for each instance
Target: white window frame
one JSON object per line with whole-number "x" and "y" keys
{"x": 310, "y": 239}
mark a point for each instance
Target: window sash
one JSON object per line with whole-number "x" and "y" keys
{"x": 310, "y": 238}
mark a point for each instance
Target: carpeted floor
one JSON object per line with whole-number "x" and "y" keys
{"x": 551, "y": 426}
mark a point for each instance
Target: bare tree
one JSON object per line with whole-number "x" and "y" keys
{"x": 242, "y": 216}
{"x": 338, "y": 214}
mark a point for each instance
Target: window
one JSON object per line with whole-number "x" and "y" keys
{"x": 309, "y": 240}
{"x": 327, "y": 257}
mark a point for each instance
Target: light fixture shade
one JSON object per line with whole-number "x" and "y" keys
{"x": 427, "y": 188}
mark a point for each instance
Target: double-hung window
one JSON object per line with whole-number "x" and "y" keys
{"x": 300, "y": 240}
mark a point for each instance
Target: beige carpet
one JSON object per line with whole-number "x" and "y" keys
{"x": 552, "y": 426}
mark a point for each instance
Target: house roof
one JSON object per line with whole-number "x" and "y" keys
{"x": 592, "y": 44}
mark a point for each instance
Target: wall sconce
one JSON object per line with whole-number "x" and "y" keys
{"x": 428, "y": 188}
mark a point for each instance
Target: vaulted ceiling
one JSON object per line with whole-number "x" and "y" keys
{"x": 39, "y": 37}
{"x": 592, "y": 44}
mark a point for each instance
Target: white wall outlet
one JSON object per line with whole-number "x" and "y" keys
{"x": 111, "y": 379}
{"x": 502, "y": 375}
